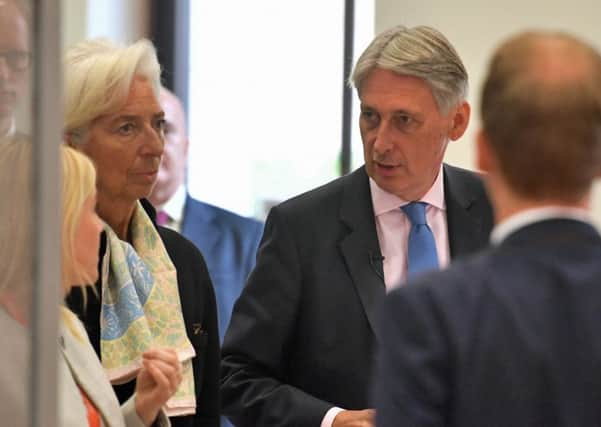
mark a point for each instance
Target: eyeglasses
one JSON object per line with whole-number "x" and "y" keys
{"x": 16, "y": 60}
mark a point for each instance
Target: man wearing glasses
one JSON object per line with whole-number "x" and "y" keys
{"x": 14, "y": 62}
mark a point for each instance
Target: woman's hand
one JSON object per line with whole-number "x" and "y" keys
{"x": 158, "y": 379}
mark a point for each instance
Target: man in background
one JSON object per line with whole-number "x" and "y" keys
{"x": 15, "y": 59}
{"x": 300, "y": 345}
{"x": 511, "y": 336}
{"x": 227, "y": 241}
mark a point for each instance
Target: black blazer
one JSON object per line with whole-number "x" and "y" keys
{"x": 301, "y": 338}
{"x": 508, "y": 338}
{"x": 200, "y": 316}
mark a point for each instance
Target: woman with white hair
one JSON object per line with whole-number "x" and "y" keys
{"x": 85, "y": 394}
{"x": 154, "y": 286}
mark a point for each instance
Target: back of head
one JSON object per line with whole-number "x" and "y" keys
{"x": 541, "y": 113}
{"x": 98, "y": 76}
{"x": 421, "y": 52}
{"x": 17, "y": 211}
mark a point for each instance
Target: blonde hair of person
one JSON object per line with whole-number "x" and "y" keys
{"x": 421, "y": 52}
{"x": 17, "y": 211}
{"x": 78, "y": 184}
{"x": 98, "y": 76}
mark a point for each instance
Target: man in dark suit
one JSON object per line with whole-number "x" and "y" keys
{"x": 300, "y": 345}
{"x": 511, "y": 337}
{"x": 227, "y": 241}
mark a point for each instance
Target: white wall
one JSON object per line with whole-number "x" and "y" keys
{"x": 73, "y": 23}
{"x": 120, "y": 20}
{"x": 475, "y": 28}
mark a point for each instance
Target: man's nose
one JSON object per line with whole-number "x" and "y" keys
{"x": 383, "y": 141}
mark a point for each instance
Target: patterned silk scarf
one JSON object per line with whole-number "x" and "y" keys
{"x": 141, "y": 309}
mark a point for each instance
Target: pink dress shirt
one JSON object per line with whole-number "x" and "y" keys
{"x": 393, "y": 227}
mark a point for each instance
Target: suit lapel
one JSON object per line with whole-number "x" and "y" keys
{"x": 89, "y": 376}
{"x": 469, "y": 216}
{"x": 360, "y": 249}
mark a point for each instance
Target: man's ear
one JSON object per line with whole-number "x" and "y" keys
{"x": 484, "y": 157}
{"x": 186, "y": 146}
{"x": 460, "y": 120}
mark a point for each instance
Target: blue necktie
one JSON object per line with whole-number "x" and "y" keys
{"x": 422, "y": 248}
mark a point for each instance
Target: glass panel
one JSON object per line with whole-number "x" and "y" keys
{"x": 16, "y": 212}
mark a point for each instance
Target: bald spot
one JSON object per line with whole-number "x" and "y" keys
{"x": 553, "y": 59}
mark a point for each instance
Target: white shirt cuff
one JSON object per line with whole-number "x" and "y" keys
{"x": 328, "y": 419}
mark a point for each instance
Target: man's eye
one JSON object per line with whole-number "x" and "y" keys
{"x": 404, "y": 120}
{"x": 370, "y": 118}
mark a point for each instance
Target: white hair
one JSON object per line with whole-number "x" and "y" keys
{"x": 98, "y": 76}
{"x": 421, "y": 52}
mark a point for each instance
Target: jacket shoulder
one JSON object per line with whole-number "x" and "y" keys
{"x": 328, "y": 195}
{"x": 464, "y": 176}
{"x": 230, "y": 219}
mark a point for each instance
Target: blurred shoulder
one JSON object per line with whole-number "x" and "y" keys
{"x": 457, "y": 288}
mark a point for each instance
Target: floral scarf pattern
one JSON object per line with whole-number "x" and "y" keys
{"x": 141, "y": 309}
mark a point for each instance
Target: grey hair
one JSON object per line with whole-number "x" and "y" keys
{"x": 421, "y": 52}
{"x": 98, "y": 76}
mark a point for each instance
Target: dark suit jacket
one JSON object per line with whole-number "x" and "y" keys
{"x": 229, "y": 244}
{"x": 200, "y": 316}
{"x": 509, "y": 338}
{"x": 301, "y": 338}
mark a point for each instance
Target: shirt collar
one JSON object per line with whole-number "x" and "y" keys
{"x": 529, "y": 216}
{"x": 175, "y": 205}
{"x": 383, "y": 201}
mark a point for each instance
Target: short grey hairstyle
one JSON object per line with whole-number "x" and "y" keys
{"x": 98, "y": 76}
{"x": 421, "y": 52}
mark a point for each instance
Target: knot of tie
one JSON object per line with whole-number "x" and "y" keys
{"x": 416, "y": 212}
